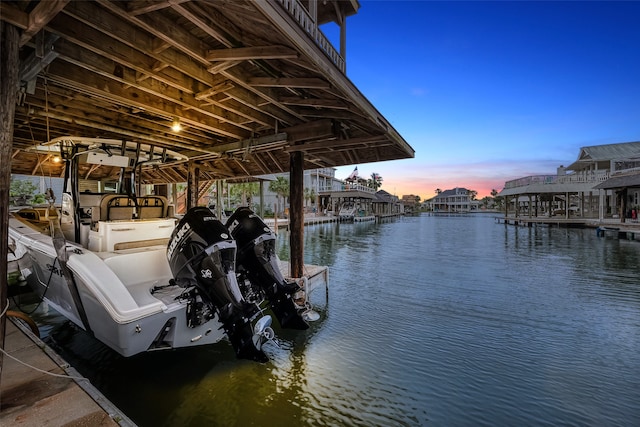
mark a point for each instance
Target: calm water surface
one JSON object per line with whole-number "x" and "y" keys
{"x": 441, "y": 321}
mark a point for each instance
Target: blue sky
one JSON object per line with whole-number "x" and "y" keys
{"x": 486, "y": 92}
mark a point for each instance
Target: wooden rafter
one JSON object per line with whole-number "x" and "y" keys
{"x": 251, "y": 53}
{"x": 301, "y": 83}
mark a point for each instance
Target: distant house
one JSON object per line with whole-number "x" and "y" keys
{"x": 411, "y": 203}
{"x": 602, "y": 183}
{"x": 457, "y": 200}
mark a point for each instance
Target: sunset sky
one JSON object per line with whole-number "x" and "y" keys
{"x": 486, "y": 92}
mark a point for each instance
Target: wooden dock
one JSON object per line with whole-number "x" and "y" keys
{"x": 48, "y": 392}
{"x": 629, "y": 230}
{"x": 308, "y": 220}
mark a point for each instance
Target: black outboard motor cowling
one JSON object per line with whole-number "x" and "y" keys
{"x": 256, "y": 255}
{"x": 201, "y": 255}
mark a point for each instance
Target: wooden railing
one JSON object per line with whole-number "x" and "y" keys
{"x": 580, "y": 177}
{"x": 345, "y": 186}
{"x": 306, "y": 22}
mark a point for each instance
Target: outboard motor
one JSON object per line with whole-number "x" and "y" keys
{"x": 201, "y": 255}
{"x": 258, "y": 260}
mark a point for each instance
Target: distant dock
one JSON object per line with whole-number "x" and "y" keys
{"x": 275, "y": 223}
{"x": 604, "y": 228}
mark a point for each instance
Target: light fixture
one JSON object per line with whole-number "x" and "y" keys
{"x": 56, "y": 159}
{"x": 176, "y": 126}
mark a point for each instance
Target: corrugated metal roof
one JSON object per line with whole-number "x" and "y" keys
{"x": 605, "y": 153}
{"x": 620, "y": 181}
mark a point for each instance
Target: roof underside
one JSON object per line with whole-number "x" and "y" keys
{"x": 248, "y": 84}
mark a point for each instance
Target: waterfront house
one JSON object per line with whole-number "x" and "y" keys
{"x": 584, "y": 189}
{"x": 411, "y": 203}
{"x": 456, "y": 200}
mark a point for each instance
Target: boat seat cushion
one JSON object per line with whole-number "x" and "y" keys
{"x": 152, "y": 207}
{"x": 117, "y": 206}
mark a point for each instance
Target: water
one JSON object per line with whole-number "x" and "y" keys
{"x": 441, "y": 321}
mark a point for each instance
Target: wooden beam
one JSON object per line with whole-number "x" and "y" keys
{"x": 261, "y": 165}
{"x": 140, "y": 7}
{"x": 222, "y": 66}
{"x": 320, "y": 129}
{"x": 275, "y": 161}
{"x": 315, "y": 102}
{"x": 253, "y": 143}
{"x": 251, "y": 53}
{"x": 14, "y": 16}
{"x": 242, "y": 80}
{"x": 99, "y": 60}
{"x": 338, "y": 143}
{"x": 40, "y": 16}
{"x": 215, "y": 24}
{"x": 301, "y": 83}
{"x": 221, "y": 87}
{"x": 68, "y": 74}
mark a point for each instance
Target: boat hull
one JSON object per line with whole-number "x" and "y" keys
{"x": 126, "y": 297}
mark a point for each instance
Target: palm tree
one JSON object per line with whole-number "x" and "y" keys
{"x": 281, "y": 187}
{"x": 309, "y": 194}
{"x": 244, "y": 192}
{"x": 473, "y": 194}
{"x": 375, "y": 182}
{"x": 438, "y": 191}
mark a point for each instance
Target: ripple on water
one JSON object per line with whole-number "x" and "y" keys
{"x": 429, "y": 321}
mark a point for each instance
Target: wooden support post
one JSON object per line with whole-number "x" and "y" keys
{"x": 296, "y": 213}
{"x": 193, "y": 185}
{"x": 219, "y": 199}
{"x": 9, "y": 66}
{"x": 261, "y": 208}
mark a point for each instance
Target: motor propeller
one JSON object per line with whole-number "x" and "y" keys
{"x": 262, "y": 332}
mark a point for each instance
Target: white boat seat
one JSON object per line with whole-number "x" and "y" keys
{"x": 152, "y": 268}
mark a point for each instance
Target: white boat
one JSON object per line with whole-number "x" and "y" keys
{"x": 117, "y": 265}
{"x": 347, "y": 211}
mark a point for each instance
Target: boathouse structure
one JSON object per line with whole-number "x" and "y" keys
{"x": 602, "y": 184}
{"x": 238, "y": 88}
{"x": 387, "y": 205}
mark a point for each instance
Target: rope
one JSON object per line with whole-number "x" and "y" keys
{"x": 72, "y": 377}
{"x": 2, "y": 350}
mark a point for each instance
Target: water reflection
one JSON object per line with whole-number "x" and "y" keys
{"x": 429, "y": 321}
